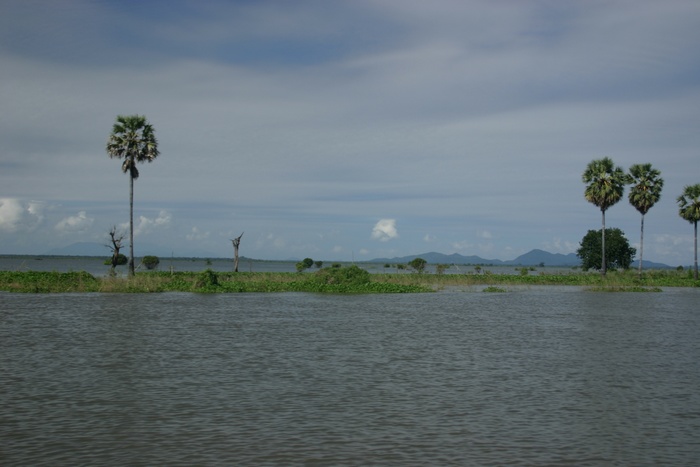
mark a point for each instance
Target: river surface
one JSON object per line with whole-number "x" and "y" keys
{"x": 541, "y": 376}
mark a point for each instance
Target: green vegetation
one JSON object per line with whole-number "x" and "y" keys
{"x": 332, "y": 280}
{"x": 418, "y": 264}
{"x": 151, "y": 262}
{"x": 618, "y": 251}
{"x": 305, "y": 264}
{"x": 121, "y": 260}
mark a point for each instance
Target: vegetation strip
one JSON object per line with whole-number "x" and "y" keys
{"x": 345, "y": 280}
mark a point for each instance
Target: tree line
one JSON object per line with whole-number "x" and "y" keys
{"x": 133, "y": 140}
{"x": 605, "y": 186}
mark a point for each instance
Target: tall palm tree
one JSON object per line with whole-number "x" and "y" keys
{"x": 645, "y": 192}
{"x": 689, "y": 209}
{"x": 132, "y": 139}
{"x": 606, "y": 185}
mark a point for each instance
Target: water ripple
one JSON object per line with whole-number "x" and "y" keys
{"x": 536, "y": 377}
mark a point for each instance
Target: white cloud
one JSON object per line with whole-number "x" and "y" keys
{"x": 429, "y": 238}
{"x": 20, "y": 216}
{"x": 385, "y": 230}
{"x": 196, "y": 234}
{"x": 78, "y": 223}
{"x": 144, "y": 225}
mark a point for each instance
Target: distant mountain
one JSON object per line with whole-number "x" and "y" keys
{"x": 440, "y": 258}
{"x": 532, "y": 258}
{"x": 536, "y": 257}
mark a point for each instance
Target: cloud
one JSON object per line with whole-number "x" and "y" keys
{"x": 144, "y": 225}
{"x": 196, "y": 234}
{"x": 20, "y": 216}
{"x": 385, "y": 230}
{"x": 429, "y": 238}
{"x": 78, "y": 223}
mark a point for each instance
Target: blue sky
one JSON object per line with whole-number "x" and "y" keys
{"x": 346, "y": 129}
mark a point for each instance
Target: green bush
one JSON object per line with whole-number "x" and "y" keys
{"x": 352, "y": 275}
{"x": 121, "y": 260}
{"x": 207, "y": 279}
{"x": 151, "y": 262}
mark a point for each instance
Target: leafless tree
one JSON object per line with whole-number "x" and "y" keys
{"x": 115, "y": 245}
{"x": 236, "y": 243}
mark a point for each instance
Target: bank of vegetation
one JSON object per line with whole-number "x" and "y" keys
{"x": 331, "y": 280}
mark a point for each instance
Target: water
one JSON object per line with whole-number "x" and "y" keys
{"x": 542, "y": 376}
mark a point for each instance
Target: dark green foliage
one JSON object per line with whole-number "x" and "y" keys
{"x": 121, "y": 260}
{"x": 305, "y": 264}
{"x": 352, "y": 275}
{"x": 207, "y": 279}
{"x": 418, "y": 264}
{"x": 47, "y": 282}
{"x": 618, "y": 252}
{"x": 151, "y": 262}
{"x": 318, "y": 264}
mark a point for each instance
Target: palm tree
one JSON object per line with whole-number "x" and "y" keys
{"x": 606, "y": 185}
{"x": 645, "y": 192}
{"x": 689, "y": 209}
{"x": 133, "y": 140}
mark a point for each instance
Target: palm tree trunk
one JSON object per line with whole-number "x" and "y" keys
{"x": 696, "y": 250}
{"x": 602, "y": 269}
{"x": 641, "y": 248}
{"x": 131, "y": 220}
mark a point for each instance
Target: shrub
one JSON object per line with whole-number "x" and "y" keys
{"x": 121, "y": 260}
{"x": 352, "y": 275}
{"x": 207, "y": 279}
{"x": 151, "y": 262}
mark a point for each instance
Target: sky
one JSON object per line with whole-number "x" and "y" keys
{"x": 346, "y": 130}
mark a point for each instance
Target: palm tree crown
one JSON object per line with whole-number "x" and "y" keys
{"x": 689, "y": 203}
{"x": 133, "y": 140}
{"x": 646, "y": 188}
{"x": 606, "y": 183}
{"x": 689, "y": 209}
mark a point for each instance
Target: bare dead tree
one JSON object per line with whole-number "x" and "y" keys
{"x": 115, "y": 245}
{"x": 236, "y": 243}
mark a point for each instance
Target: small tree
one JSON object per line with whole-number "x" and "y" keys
{"x": 418, "y": 264}
{"x": 305, "y": 264}
{"x": 151, "y": 262}
{"x": 618, "y": 252}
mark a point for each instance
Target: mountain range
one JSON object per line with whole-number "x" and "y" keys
{"x": 534, "y": 257}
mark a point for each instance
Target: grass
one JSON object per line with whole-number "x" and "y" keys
{"x": 329, "y": 280}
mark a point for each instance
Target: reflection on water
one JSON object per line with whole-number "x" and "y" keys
{"x": 536, "y": 377}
